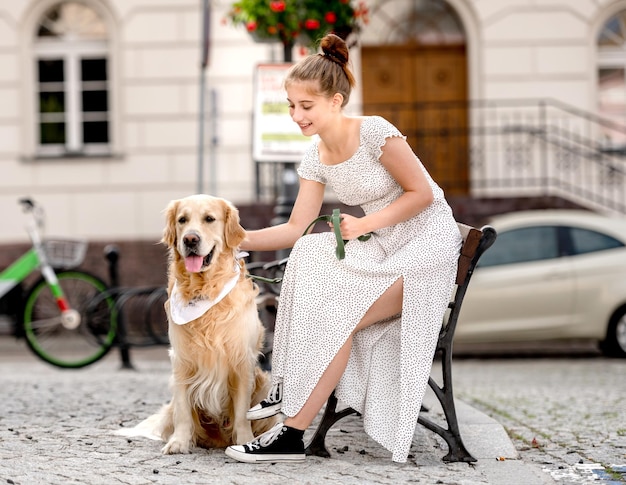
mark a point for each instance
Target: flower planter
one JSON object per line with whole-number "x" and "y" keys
{"x": 303, "y": 22}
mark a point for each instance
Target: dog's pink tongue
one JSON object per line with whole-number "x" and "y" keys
{"x": 193, "y": 263}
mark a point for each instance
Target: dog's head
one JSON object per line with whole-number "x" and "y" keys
{"x": 199, "y": 228}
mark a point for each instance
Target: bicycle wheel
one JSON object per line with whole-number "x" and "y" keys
{"x": 83, "y": 342}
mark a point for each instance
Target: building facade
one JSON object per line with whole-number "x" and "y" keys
{"x": 107, "y": 113}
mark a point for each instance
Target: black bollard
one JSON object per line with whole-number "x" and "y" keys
{"x": 112, "y": 255}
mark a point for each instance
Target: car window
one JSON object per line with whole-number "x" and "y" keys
{"x": 522, "y": 245}
{"x": 586, "y": 241}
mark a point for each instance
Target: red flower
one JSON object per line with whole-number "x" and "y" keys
{"x": 330, "y": 17}
{"x": 311, "y": 24}
{"x": 251, "y": 26}
{"x": 272, "y": 30}
{"x": 277, "y": 6}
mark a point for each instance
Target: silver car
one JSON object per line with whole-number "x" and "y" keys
{"x": 551, "y": 275}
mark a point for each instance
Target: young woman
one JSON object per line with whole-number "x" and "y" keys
{"x": 366, "y": 325}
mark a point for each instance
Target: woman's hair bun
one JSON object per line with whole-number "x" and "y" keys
{"x": 335, "y": 48}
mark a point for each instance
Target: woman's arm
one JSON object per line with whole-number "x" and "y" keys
{"x": 399, "y": 160}
{"x": 283, "y": 236}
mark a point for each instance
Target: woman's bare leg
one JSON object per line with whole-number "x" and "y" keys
{"x": 388, "y": 305}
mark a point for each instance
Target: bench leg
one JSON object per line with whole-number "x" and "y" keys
{"x": 452, "y": 435}
{"x": 456, "y": 448}
{"x": 457, "y": 452}
{"x": 317, "y": 445}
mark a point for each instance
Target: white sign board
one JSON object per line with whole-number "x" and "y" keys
{"x": 275, "y": 137}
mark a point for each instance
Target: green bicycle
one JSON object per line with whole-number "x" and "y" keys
{"x": 67, "y": 315}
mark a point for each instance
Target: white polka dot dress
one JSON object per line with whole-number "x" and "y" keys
{"x": 323, "y": 298}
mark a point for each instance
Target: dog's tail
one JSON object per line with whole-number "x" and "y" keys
{"x": 152, "y": 427}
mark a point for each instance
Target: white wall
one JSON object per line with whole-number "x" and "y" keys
{"x": 155, "y": 49}
{"x": 534, "y": 49}
{"x": 518, "y": 49}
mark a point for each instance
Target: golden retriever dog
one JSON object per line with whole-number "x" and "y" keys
{"x": 214, "y": 330}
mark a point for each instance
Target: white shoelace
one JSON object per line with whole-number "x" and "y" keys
{"x": 276, "y": 393}
{"x": 267, "y": 438}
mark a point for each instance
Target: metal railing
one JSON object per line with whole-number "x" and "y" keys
{"x": 513, "y": 148}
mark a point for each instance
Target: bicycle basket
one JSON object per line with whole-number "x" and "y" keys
{"x": 65, "y": 254}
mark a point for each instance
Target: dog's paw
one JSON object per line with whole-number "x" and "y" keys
{"x": 175, "y": 446}
{"x": 242, "y": 437}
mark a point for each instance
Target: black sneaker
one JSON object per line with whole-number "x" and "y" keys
{"x": 279, "y": 444}
{"x": 270, "y": 406}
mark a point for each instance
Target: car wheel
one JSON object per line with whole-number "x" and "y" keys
{"x": 615, "y": 343}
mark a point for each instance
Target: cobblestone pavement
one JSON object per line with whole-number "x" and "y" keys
{"x": 567, "y": 415}
{"x": 566, "y": 418}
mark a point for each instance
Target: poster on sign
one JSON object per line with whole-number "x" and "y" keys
{"x": 275, "y": 137}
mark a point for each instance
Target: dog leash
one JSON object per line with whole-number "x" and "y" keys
{"x": 340, "y": 251}
{"x": 335, "y": 219}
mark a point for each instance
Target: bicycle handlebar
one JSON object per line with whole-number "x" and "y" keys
{"x": 35, "y": 211}
{"x": 27, "y": 203}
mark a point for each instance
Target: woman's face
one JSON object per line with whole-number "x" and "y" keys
{"x": 309, "y": 110}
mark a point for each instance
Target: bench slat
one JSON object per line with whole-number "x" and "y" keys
{"x": 471, "y": 240}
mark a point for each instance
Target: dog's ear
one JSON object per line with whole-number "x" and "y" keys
{"x": 169, "y": 233}
{"x": 234, "y": 234}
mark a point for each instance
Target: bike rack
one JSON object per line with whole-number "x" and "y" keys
{"x": 147, "y": 298}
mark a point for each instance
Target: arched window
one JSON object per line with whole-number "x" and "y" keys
{"x": 423, "y": 22}
{"x": 611, "y": 75}
{"x": 72, "y": 82}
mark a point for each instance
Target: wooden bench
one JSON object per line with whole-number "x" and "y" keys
{"x": 475, "y": 243}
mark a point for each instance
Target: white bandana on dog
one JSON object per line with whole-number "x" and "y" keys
{"x": 183, "y": 313}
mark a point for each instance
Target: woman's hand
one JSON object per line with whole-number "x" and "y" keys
{"x": 351, "y": 227}
{"x": 283, "y": 236}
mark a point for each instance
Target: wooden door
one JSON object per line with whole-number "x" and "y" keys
{"x": 423, "y": 91}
